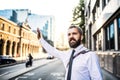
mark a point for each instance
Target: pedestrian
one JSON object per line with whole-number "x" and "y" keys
{"x": 29, "y": 62}
{"x": 80, "y": 63}
{"x": 30, "y": 59}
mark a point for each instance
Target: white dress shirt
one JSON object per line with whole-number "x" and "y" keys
{"x": 85, "y": 66}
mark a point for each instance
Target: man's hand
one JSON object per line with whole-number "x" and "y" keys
{"x": 38, "y": 33}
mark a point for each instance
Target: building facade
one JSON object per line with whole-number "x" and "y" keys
{"x": 46, "y": 23}
{"x": 102, "y": 23}
{"x": 17, "y": 40}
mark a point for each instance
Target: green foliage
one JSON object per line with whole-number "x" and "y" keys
{"x": 78, "y": 17}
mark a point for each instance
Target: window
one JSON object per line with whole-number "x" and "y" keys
{"x": 2, "y": 26}
{"x": 9, "y": 29}
{"x": 118, "y": 21}
{"x": 98, "y": 42}
{"x": 110, "y": 42}
{"x": 98, "y": 8}
{"x": 89, "y": 10}
{"x": 103, "y": 3}
{"x": 107, "y": 38}
{"x": 14, "y": 31}
{"x": 94, "y": 11}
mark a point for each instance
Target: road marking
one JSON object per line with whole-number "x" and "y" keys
{"x": 57, "y": 74}
{"x": 60, "y": 78}
{"x": 20, "y": 77}
{"x": 7, "y": 72}
{"x": 4, "y": 73}
{"x": 29, "y": 74}
{"x": 40, "y": 79}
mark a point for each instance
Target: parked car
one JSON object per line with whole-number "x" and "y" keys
{"x": 50, "y": 56}
{"x": 6, "y": 59}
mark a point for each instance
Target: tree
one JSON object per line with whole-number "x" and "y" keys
{"x": 78, "y": 17}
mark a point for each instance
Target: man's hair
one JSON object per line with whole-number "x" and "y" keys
{"x": 78, "y": 28}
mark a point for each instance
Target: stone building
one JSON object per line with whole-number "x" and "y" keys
{"x": 17, "y": 40}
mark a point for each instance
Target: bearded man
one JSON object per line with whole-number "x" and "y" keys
{"x": 80, "y": 63}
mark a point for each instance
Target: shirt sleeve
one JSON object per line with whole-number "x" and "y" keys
{"x": 50, "y": 49}
{"x": 94, "y": 67}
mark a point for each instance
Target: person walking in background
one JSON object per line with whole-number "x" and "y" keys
{"x": 80, "y": 63}
{"x": 29, "y": 62}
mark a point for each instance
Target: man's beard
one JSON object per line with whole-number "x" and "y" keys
{"x": 74, "y": 44}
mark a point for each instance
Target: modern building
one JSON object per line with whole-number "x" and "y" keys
{"x": 46, "y": 24}
{"x": 102, "y": 23}
{"x": 15, "y": 15}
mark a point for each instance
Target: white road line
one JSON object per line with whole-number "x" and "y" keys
{"x": 7, "y": 72}
{"x": 4, "y": 73}
{"x": 57, "y": 74}
{"x": 29, "y": 74}
{"x": 40, "y": 79}
{"x": 60, "y": 78}
{"x": 20, "y": 77}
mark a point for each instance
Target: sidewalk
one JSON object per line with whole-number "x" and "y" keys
{"x": 24, "y": 70}
{"x": 108, "y": 76}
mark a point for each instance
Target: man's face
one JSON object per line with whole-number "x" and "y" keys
{"x": 74, "y": 37}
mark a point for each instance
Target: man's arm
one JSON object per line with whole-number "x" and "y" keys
{"x": 94, "y": 67}
{"x": 51, "y": 50}
{"x": 39, "y": 34}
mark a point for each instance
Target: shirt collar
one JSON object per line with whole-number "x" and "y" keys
{"x": 79, "y": 48}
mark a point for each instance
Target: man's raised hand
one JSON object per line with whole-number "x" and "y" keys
{"x": 38, "y": 33}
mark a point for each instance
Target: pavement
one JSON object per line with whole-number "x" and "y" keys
{"x": 36, "y": 64}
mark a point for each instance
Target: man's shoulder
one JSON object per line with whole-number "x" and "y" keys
{"x": 92, "y": 54}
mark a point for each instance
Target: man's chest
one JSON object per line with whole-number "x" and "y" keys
{"x": 80, "y": 63}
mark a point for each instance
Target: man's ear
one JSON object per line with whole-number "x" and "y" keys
{"x": 81, "y": 37}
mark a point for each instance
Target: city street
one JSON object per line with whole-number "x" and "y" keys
{"x": 18, "y": 69}
{"x": 27, "y": 27}
{"x": 46, "y": 70}
{"x": 52, "y": 71}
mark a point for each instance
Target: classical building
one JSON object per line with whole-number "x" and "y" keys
{"x": 17, "y": 40}
{"x": 46, "y": 23}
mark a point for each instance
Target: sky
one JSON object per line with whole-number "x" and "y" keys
{"x": 60, "y": 9}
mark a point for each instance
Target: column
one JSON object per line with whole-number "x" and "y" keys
{"x": 19, "y": 50}
{"x": 89, "y": 37}
{"x": 4, "y": 47}
{"x": 116, "y": 34}
{"x": 103, "y": 39}
{"x": 10, "y": 49}
{"x": 97, "y": 47}
{"x": 93, "y": 43}
{"x": 101, "y": 6}
{"x": 15, "y": 50}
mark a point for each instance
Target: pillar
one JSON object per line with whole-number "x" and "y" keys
{"x": 15, "y": 50}
{"x": 10, "y": 49}
{"x": 116, "y": 34}
{"x": 4, "y": 47}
